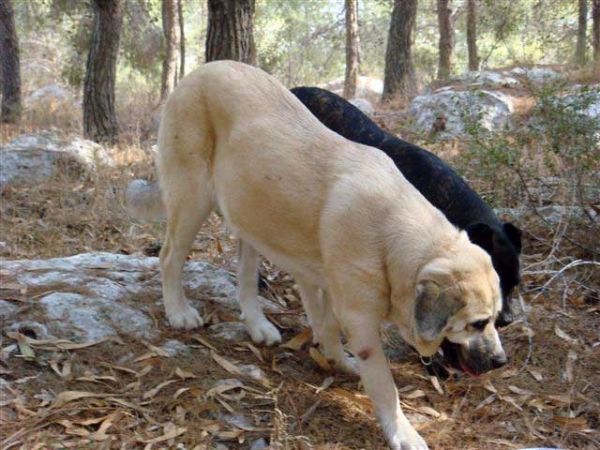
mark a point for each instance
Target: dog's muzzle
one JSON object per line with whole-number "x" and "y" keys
{"x": 473, "y": 359}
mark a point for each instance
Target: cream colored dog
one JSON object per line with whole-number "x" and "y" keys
{"x": 364, "y": 245}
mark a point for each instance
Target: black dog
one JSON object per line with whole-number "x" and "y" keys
{"x": 436, "y": 180}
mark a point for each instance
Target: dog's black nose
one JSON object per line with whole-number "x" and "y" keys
{"x": 499, "y": 361}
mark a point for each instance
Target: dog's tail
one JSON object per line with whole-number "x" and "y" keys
{"x": 144, "y": 201}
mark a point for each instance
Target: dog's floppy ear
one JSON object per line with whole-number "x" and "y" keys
{"x": 514, "y": 234}
{"x": 482, "y": 235}
{"x": 433, "y": 309}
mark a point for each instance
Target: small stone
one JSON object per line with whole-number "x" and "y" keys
{"x": 230, "y": 331}
{"x": 7, "y": 309}
{"x": 259, "y": 444}
{"x": 32, "y": 329}
{"x": 252, "y": 371}
{"x": 175, "y": 348}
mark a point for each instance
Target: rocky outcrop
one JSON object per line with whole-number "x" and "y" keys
{"x": 93, "y": 296}
{"x": 34, "y": 158}
{"x": 452, "y": 112}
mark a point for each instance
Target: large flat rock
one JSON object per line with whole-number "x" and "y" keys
{"x": 97, "y": 295}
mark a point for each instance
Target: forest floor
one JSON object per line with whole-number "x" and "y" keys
{"x": 548, "y": 395}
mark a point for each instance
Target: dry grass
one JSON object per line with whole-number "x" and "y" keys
{"x": 547, "y": 396}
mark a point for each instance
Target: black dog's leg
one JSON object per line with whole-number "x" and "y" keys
{"x": 506, "y": 315}
{"x": 263, "y": 286}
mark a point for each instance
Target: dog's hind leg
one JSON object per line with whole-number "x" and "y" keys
{"x": 325, "y": 326}
{"x": 189, "y": 201}
{"x": 260, "y": 329}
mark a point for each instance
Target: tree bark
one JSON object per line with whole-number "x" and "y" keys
{"x": 230, "y": 31}
{"x": 580, "y": 58}
{"x": 596, "y": 33}
{"x": 352, "y": 48}
{"x": 99, "y": 117}
{"x": 170, "y": 69}
{"x": 446, "y": 42}
{"x": 181, "y": 40}
{"x": 10, "y": 61}
{"x": 400, "y": 75}
{"x": 472, "y": 36}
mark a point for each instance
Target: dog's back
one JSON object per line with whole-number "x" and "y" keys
{"x": 241, "y": 127}
{"x": 433, "y": 177}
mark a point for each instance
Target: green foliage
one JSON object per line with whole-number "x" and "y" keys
{"x": 568, "y": 126}
{"x": 300, "y": 42}
{"x": 560, "y": 139}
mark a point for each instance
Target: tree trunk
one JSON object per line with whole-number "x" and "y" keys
{"x": 230, "y": 32}
{"x": 99, "y": 117}
{"x": 400, "y": 76}
{"x": 596, "y": 33}
{"x": 181, "y": 40}
{"x": 352, "y": 48}
{"x": 472, "y": 36}
{"x": 580, "y": 59}
{"x": 170, "y": 69}
{"x": 9, "y": 59}
{"x": 446, "y": 43}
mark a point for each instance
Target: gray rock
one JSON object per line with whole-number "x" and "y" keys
{"x": 259, "y": 444}
{"x": 96, "y": 295}
{"x": 538, "y": 75}
{"x": 575, "y": 112}
{"x": 27, "y": 326}
{"x": 50, "y": 93}
{"x": 582, "y": 101}
{"x": 175, "y": 348}
{"x": 490, "y": 110}
{"x": 551, "y": 214}
{"x": 230, "y": 331}
{"x": 89, "y": 153}
{"x": 7, "y": 309}
{"x": 90, "y": 318}
{"x": 34, "y": 158}
{"x": 219, "y": 446}
{"x": 252, "y": 371}
{"x": 487, "y": 78}
{"x": 366, "y": 87}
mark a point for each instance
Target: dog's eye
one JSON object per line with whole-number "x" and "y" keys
{"x": 480, "y": 324}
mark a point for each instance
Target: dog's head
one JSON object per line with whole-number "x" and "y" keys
{"x": 504, "y": 246}
{"x": 457, "y": 299}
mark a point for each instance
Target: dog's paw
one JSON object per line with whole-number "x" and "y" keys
{"x": 262, "y": 331}
{"x": 185, "y": 319}
{"x": 410, "y": 445}
{"x": 410, "y": 441}
{"x": 401, "y": 435}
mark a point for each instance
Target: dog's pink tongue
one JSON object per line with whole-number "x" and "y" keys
{"x": 468, "y": 370}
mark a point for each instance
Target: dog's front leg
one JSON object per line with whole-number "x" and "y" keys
{"x": 260, "y": 329}
{"x": 365, "y": 343}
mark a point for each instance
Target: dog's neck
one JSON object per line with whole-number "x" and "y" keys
{"x": 412, "y": 242}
